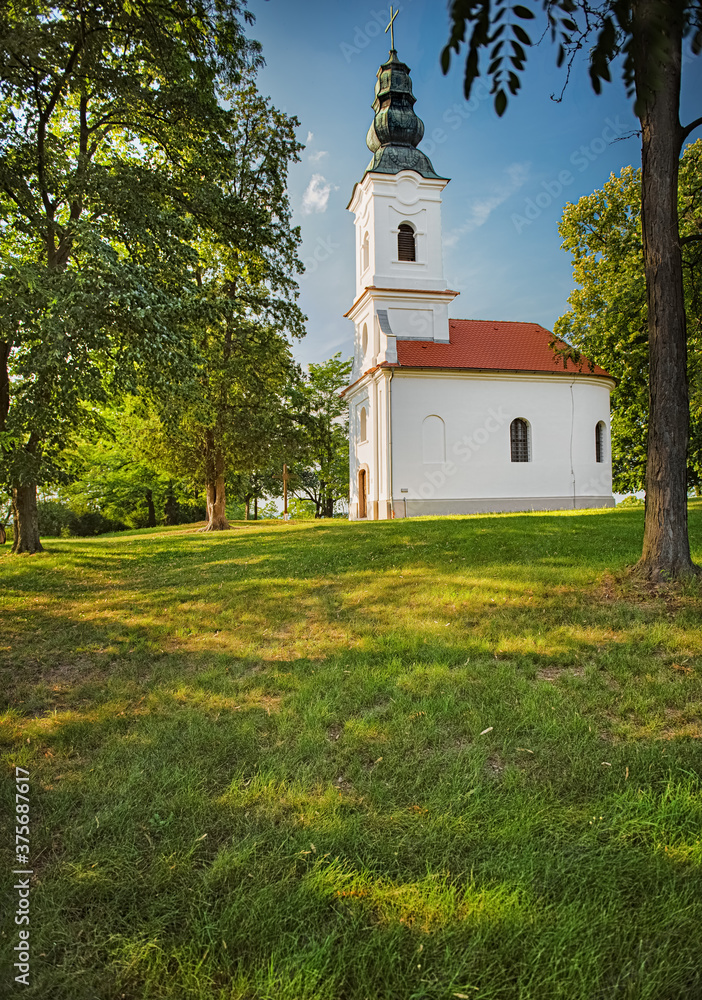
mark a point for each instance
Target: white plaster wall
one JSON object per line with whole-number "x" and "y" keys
{"x": 592, "y": 478}
{"x": 377, "y": 341}
{"x": 412, "y": 316}
{"x": 373, "y": 453}
{"x": 361, "y": 452}
{"x": 477, "y": 411}
{"x": 380, "y": 203}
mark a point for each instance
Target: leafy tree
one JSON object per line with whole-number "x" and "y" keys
{"x": 311, "y": 438}
{"x": 269, "y": 512}
{"x": 608, "y": 318}
{"x": 121, "y": 476}
{"x": 114, "y": 157}
{"x": 645, "y": 38}
{"x": 236, "y": 422}
{"x": 247, "y": 488}
{"x": 234, "y": 417}
{"x": 302, "y": 510}
{"x": 321, "y": 474}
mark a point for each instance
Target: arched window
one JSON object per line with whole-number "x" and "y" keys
{"x": 433, "y": 439}
{"x": 599, "y": 441}
{"x": 519, "y": 440}
{"x": 362, "y": 493}
{"x": 364, "y": 422}
{"x": 364, "y": 340}
{"x": 365, "y": 254}
{"x": 405, "y": 243}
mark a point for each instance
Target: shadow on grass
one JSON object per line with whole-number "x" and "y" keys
{"x": 596, "y": 539}
{"x": 313, "y": 833}
{"x": 323, "y": 763}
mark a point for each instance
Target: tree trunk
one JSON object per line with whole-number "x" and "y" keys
{"x": 214, "y": 465}
{"x": 5, "y": 348}
{"x": 328, "y": 507}
{"x": 170, "y": 510}
{"x": 151, "y": 521}
{"x": 255, "y": 517}
{"x": 666, "y": 549}
{"x": 247, "y": 509}
{"x": 26, "y": 517}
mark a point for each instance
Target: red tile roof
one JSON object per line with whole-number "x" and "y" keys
{"x": 491, "y": 345}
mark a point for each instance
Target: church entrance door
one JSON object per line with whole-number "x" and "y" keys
{"x": 362, "y": 494}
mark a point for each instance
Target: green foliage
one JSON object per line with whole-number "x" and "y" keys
{"x": 608, "y": 316}
{"x": 269, "y": 511}
{"x": 301, "y": 510}
{"x": 116, "y": 160}
{"x": 498, "y": 32}
{"x": 321, "y": 473}
{"x": 58, "y": 519}
{"x": 246, "y": 488}
{"x": 631, "y": 501}
{"x": 234, "y": 413}
{"x": 120, "y": 478}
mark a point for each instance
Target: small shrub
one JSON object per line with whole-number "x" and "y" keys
{"x": 57, "y": 519}
{"x": 301, "y": 510}
{"x": 269, "y": 512}
{"x": 54, "y": 518}
{"x": 631, "y": 501}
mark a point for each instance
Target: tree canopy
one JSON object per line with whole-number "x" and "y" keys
{"x": 610, "y": 32}
{"x": 234, "y": 416}
{"x": 321, "y": 474}
{"x": 608, "y": 316}
{"x": 115, "y": 159}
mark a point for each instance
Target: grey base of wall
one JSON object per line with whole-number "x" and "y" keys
{"x": 496, "y": 505}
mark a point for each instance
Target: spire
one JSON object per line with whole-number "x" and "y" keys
{"x": 396, "y": 130}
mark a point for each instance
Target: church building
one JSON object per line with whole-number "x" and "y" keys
{"x": 452, "y": 416}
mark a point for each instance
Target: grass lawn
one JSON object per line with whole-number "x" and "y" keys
{"x": 432, "y": 758}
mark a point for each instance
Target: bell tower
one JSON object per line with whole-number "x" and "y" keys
{"x": 401, "y": 292}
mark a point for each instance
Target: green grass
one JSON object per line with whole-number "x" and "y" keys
{"x": 411, "y": 760}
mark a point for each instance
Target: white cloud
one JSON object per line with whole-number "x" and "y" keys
{"x": 310, "y": 137}
{"x": 316, "y": 195}
{"x": 319, "y": 155}
{"x": 482, "y": 208}
{"x": 518, "y": 173}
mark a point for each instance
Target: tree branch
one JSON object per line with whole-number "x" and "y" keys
{"x": 690, "y": 128}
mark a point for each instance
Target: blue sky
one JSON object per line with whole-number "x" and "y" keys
{"x": 510, "y": 177}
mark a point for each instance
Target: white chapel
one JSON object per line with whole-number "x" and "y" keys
{"x": 451, "y": 416}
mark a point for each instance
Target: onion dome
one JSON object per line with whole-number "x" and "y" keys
{"x": 396, "y": 130}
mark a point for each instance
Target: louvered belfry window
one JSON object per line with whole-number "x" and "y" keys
{"x": 519, "y": 440}
{"x": 405, "y": 243}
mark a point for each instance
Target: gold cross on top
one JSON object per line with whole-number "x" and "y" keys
{"x": 391, "y": 29}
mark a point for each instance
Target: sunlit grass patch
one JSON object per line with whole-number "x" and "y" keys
{"x": 425, "y": 905}
{"x": 343, "y": 761}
